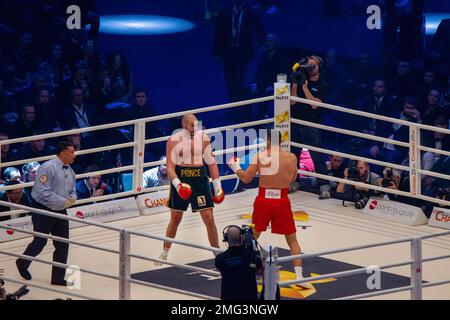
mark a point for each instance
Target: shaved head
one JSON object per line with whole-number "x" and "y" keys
{"x": 187, "y": 118}
{"x": 234, "y": 236}
{"x": 189, "y": 122}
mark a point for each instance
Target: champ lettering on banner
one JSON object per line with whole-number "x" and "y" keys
{"x": 440, "y": 218}
{"x": 152, "y": 203}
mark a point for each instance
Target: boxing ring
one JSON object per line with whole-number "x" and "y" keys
{"x": 129, "y": 239}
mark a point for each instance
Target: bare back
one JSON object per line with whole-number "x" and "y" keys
{"x": 277, "y": 168}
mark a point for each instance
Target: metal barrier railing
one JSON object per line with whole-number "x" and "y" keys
{"x": 138, "y": 144}
{"x": 372, "y": 187}
{"x": 413, "y": 146}
{"x": 46, "y": 288}
{"x": 271, "y": 268}
{"x": 416, "y": 263}
{"x": 124, "y": 253}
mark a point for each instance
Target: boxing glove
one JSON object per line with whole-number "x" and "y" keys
{"x": 234, "y": 164}
{"x": 184, "y": 190}
{"x": 219, "y": 195}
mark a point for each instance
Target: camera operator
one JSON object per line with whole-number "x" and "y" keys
{"x": 2, "y": 290}
{"x": 439, "y": 188}
{"x": 441, "y": 193}
{"x": 238, "y": 266}
{"x": 12, "y": 296}
{"x": 307, "y": 84}
{"x": 358, "y": 172}
{"x": 395, "y": 180}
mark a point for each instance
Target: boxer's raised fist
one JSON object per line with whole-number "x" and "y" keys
{"x": 234, "y": 164}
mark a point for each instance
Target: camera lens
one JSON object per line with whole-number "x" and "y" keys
{"x": 361, "y": 203}
{"x": 386, "y": 183}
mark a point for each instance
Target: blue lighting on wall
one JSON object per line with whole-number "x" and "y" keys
{"x": 432, "y": 21}
{"x": 143, "y": 25}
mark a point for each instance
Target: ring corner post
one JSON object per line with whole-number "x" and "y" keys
{"x": 414, "y": 160}
{"x": 271, "y": 275}
{"x": 124, "y": 265}
{"x": 139, "y": 152}
{"x": 282, "y": 110}
{"x": 416, "y": 268}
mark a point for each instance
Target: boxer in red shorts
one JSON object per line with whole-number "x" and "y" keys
{"x": 277, "y": 169}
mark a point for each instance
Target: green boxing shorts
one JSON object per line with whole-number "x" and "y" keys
{"x": 201, "y": 197}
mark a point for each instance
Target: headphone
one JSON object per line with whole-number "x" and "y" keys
{"x": 225, "y": 230}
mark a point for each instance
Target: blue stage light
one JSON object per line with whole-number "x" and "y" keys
{"x": 143, "y": 25}
{"x": 432, "y": 21}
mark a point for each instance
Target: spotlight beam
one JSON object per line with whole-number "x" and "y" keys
{"x": 143, "y": 25}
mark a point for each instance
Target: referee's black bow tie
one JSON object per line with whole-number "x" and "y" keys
{"x": 65, "y": 167}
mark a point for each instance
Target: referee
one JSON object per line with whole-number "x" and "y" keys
{"x": 53, "y": 190}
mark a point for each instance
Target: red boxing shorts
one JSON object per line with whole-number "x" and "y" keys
{"x": 273, "y": 206}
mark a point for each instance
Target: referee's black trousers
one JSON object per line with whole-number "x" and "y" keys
{"x": 55, "y": 227}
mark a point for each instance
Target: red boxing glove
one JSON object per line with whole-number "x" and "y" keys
{"x": 218, "y": 198}
{"x": 103, "y": 187}
{"x": 219, "y": 195}
{"x": 184, "y": 190}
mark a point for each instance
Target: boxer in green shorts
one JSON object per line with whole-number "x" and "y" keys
{"x": 189, "y": 155}
{"x": 201, "y": 197}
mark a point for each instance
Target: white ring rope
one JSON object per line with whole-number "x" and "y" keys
{"x": 226, "y": 151}
{"x": 370, "y": 115}
{"x": 349, "y": 132}
{"x": 350, "y": 156}
{"x": 140, "y": 143}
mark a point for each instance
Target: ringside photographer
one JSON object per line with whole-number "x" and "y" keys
{"x": 441, "y": 193}
{"x": 307, "y": 84}
{"x": 359, "y": 172}
{"x": 12, "y": 296}
{"x": 394, "y": 179}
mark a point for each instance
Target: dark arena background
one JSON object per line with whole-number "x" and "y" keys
{"x": 358, "y": 90}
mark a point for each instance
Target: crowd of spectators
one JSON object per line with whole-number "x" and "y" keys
{"x": 52, "y": 81}
{"x": 413, "y": 93}
{"x": 59, "y": 80}
{"x": 408, "y": 88}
